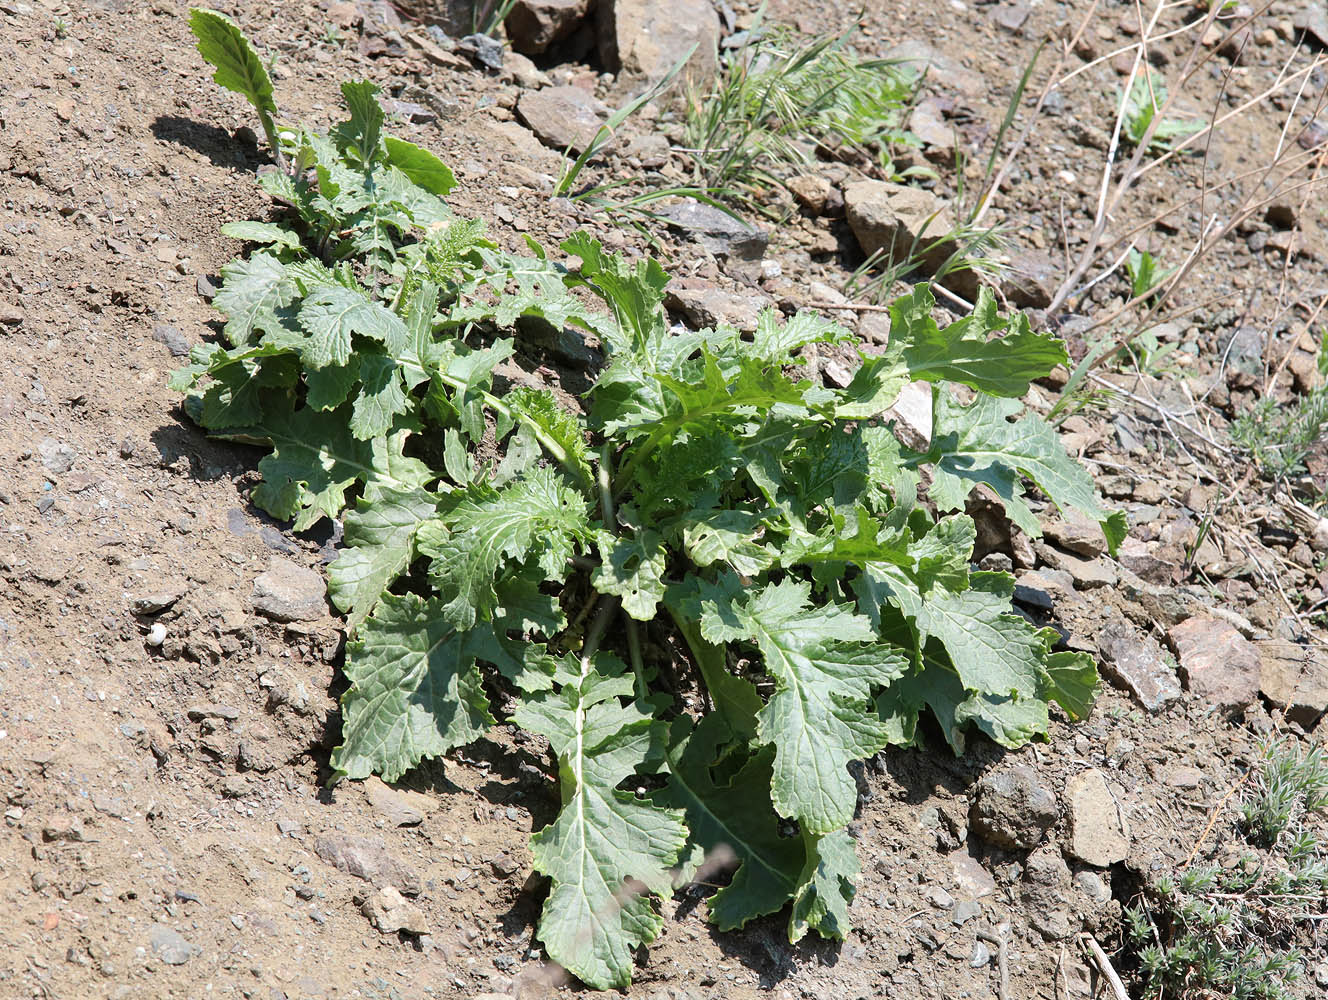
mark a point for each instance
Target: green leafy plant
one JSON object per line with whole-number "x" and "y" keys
{"x": 1146, "y": 98}
{"x": 1229, "y": 929}
{"x": 710, "y": 586}
{"x": 238, "y": 68}
{"x": 1145, "y": 272}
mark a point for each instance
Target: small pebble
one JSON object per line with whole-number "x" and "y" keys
{"x": 157, "y": 635}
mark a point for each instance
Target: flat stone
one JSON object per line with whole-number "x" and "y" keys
{"x": 717, "y": 231}
{"x": 1030, "y": 278}
{"x": 1294, "y": 678}
{"x": 1045, "y": 892}
{"x": 57, "y": 456}
{"x": 910, "y": 414}
{"x": 1099, "y": 831}
{"x": 155, "y": 603}
{"x": 937, "y": 135}
{"x": 390, "y": 913}
{"x": 711, "y": 307}
{"x": 368, "y": 860}
{"x": 1149, "y": 561}
{"x": 398, "y": 806}
{"x": 971, "y": 880}
{"x": 899, "y": 222}
{"x": 1076, "y": 533}
{"x": 1138, "y": 664}
{"x": 1012, "y": 808}
{"x": 533, "y": 25}
{"x": 176, "y": 342}
{"x": 169, "y": 946}
{"x": 941, "y": 70}
{"x": 1088, "y": 574}
{"x": 1313, "y": 20}
{"x": 642, "y": 40}
{"x": 561, "y": 117}
{"x": 1218, "y": 665}
{"x": 811, "y": 191}
{"x": 288, "y": 592}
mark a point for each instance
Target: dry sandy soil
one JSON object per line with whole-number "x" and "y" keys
{"x": 168, "y": 828}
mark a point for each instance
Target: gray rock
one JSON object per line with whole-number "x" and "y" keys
{"x": 1030, "y": 278}
{"x": 711, "y": 306}
{"x": 1217, "y": 664}
{"x": 486, "y": 51}
{"x": 287, "y": 592}
{"x": 534, "y": 25}
{"x": 1243, "y": 349}
{"x": 206, "y": 289}
{"x": 1099, "y": 831}
{"x": 718, "y": 232}
{"x": 910, "y": 415}
{"x": 964, "y": 911}
{"x": 1313, "y": 20}
{"x": 169, "y": 946}
{"x": 398, "y": 806}
{"x": 941, "y": 70}
{"x": 1012, "y": 808}
{"x": 1294, "y": 678}
{"x": 10, "y": 315}
{"x": 899, "y": 222}
{"x": 642, "y": 40}
{"x": 151, "y": 604}
{"x": 937, "y": 135}
{"x": 1046, "y": 893}
{"x": 1094, "y": 889}
{"x": 388, "y": 911}
{"x": 561, "y": 117}
{"x": 1148, "y": 561}
{"x": 368, "y": 860}
{"x": 1077, "y": 533}
{"x": 1138, "y": 664}
{"x": 175, "y": 341}
{"x": 57, "y": 456}
{"x": 1088, "y": 574}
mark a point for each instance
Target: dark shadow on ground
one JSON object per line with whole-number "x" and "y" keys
{"x": 218, "y": 145}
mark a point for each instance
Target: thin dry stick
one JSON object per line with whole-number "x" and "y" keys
{"x": 1104, "y": 963}
{"x": 1212, "y": 819}
{"x": 1022, "y": 139}
{"x": 1295, "y": 341}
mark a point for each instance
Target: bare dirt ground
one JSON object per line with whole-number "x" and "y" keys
{"x": 168, "y": 829}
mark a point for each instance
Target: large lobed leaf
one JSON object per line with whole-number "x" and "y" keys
{"x": 603, "y": 838}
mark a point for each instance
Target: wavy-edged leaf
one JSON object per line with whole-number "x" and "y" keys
{"x": 633, "y": 569}
{"x": 362, "y": 133}
{"x": 238, "y": 68}
{"x": 603, "y": 839}
{"x": 966, "y": 351}
{"x": 536, "y": 516}
{"x": 978, "y": 444}
{"x": 379, "y": 544}
{"x": 826, "y": 888}
{"x": 726, "y": 536}
{"x": 415, "y": 691}
{"x": 315, "y": 460}
{"x": 333, "y": 314}
{"x": 825, "y": 660}
{"x": 251, "y": 292}
{"x": 733, "y": 822}
{"x": 262, "y": 232}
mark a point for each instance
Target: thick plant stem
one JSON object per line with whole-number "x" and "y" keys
{"x": 611, "y": 524}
